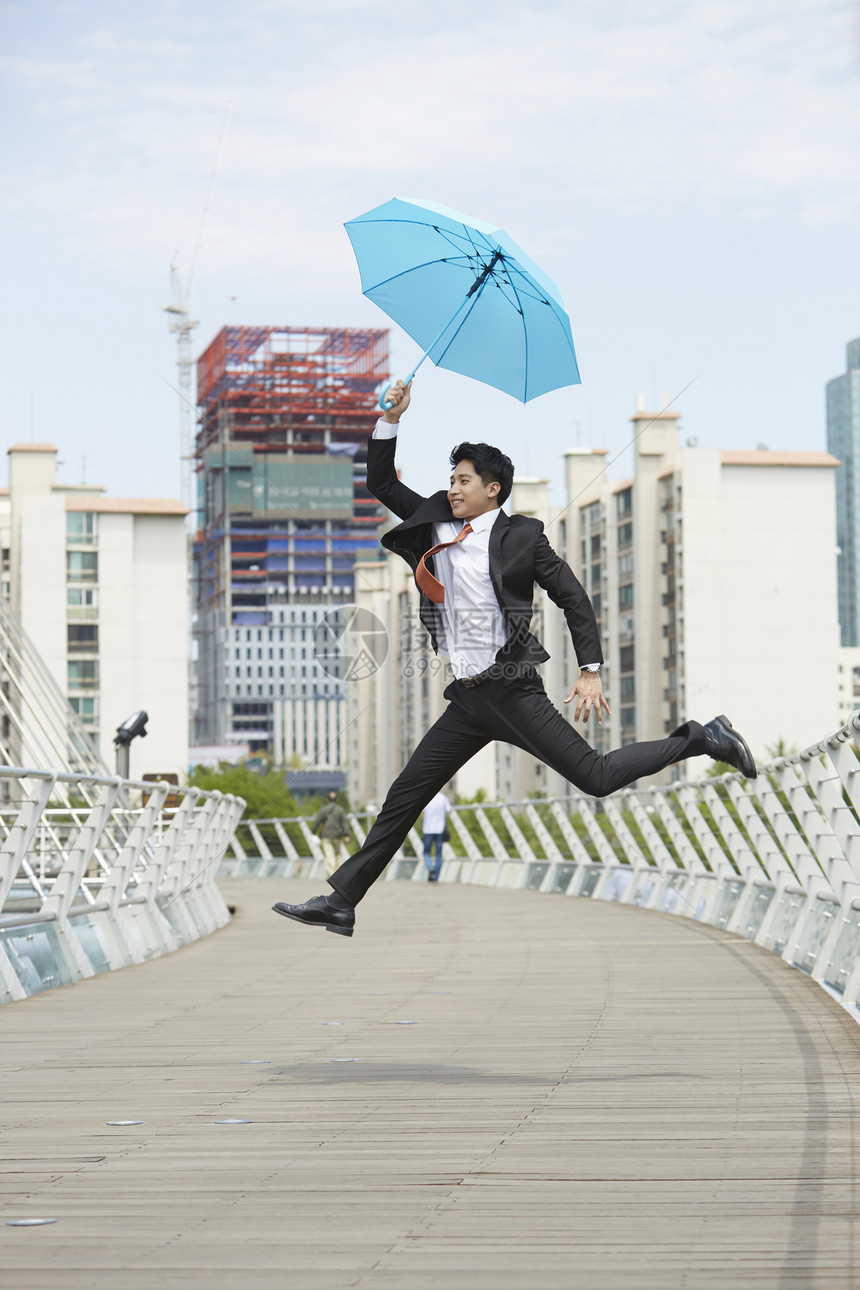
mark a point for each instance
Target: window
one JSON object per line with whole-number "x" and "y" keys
{"x": 83, "y": 638}
{"x": 80, "y": 528}
{"x": 625, "y": 596}
{"x": 625, "y": 535}
{"x": 83, "y": 674}
{"x": 627, "y": 658}
{"x": 82, "y": 566}
{"x": 86, "y": 708}
{"x": 81, "y": 597}
{"x": 624, "y": 503}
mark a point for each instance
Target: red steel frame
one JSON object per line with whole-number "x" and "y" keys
{"x": 275, "y": 387}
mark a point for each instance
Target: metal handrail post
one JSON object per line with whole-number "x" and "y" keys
{"x": 116, "y": 883}
{"x": 21, "y": 833}
{"x": 150, "y": 881}
{"x": 68, "y": 880}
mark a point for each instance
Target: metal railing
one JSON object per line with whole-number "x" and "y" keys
{"x": 98, "y": 872}
{"x": 775, "y": 860}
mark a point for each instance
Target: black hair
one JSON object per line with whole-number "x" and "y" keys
{"x": 490, "y": 463}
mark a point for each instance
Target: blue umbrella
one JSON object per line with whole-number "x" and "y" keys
{"x": 468, "y": 295}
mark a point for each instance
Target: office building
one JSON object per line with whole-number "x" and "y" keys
{"x": 843, "y": 440}
{"x": 285, "y": 414}
{"x": 849, "y": 682}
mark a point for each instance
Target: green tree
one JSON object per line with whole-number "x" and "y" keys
{"x": 266, "y": 795}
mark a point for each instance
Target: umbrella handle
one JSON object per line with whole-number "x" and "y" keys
{"x": 386, "y": 407}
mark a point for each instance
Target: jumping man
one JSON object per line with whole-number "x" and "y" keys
{"x": 476, "y": 568}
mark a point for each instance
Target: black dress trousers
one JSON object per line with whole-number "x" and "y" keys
{"x": 516, "y": 712}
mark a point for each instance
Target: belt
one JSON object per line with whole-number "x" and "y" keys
{"x": 509, "y": 671}
{"x": 491, "y": 674}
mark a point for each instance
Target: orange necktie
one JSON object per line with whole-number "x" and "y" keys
{"x": 431, "y": 586}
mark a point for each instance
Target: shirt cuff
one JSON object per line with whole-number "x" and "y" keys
{"x": 589, "y": 667}
{"x": 385, "y": 430}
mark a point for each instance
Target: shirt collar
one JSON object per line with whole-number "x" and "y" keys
{"x": 481, "y": 523}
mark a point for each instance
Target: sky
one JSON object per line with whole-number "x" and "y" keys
{"x": 688, "y": 173}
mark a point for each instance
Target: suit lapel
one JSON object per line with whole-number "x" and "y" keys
{"x": 497, "y": 536}
{"x": 433, "y": 510}
{"x": 413, "y": 536}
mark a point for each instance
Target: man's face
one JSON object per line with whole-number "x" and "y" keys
{"x": 468, "y": 495}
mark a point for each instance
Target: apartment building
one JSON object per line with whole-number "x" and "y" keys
{"x": 713, "y": 573}
{"x": 99, "y": 586}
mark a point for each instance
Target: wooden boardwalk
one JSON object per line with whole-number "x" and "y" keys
{"x": 483, "y": 1090}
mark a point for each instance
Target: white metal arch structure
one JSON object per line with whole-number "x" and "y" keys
{"x": 776, "y": 860}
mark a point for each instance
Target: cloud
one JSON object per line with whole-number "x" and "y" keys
{"x": 585, "y": 109}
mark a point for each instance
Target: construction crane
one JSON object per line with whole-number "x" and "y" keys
{"x": 182, "y": 325}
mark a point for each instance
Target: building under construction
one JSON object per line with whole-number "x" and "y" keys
{"x": 283, "y": 514}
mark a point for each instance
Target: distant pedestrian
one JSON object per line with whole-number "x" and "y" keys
{"x": 332, "y": 826}
{"x": 435, "y": 832}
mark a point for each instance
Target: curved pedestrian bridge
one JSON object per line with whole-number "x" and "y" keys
{"x": 488, "y": 1089}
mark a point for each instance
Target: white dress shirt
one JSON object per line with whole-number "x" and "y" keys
{"x": 472, "y": 628}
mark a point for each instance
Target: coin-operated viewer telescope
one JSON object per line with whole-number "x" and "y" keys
{"x": 130, "y": 729}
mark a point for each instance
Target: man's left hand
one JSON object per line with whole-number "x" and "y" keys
{"x": 588, "y": 692}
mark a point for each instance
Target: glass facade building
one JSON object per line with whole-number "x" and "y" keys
{"x": 843, "y": 440}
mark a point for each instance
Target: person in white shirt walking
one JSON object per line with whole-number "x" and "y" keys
{"x": 435, "y": 817}
{"x": 477, "y": 604}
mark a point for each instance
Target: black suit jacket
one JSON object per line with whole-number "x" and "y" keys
{"x": 520, "y": 556}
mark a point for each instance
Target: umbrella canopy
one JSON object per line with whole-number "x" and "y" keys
{"x": 468, "y": 295}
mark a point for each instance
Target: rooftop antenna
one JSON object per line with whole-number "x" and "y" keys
{"x": 182, "y": 324}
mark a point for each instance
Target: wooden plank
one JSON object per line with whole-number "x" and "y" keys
{"x": 544, "y": 1092}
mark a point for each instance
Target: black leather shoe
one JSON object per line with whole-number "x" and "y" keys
{"x": 319, "y": 913}
{"x": 723, "y": 743}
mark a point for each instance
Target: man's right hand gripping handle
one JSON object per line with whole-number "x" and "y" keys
{"x": 398, "y": 396}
